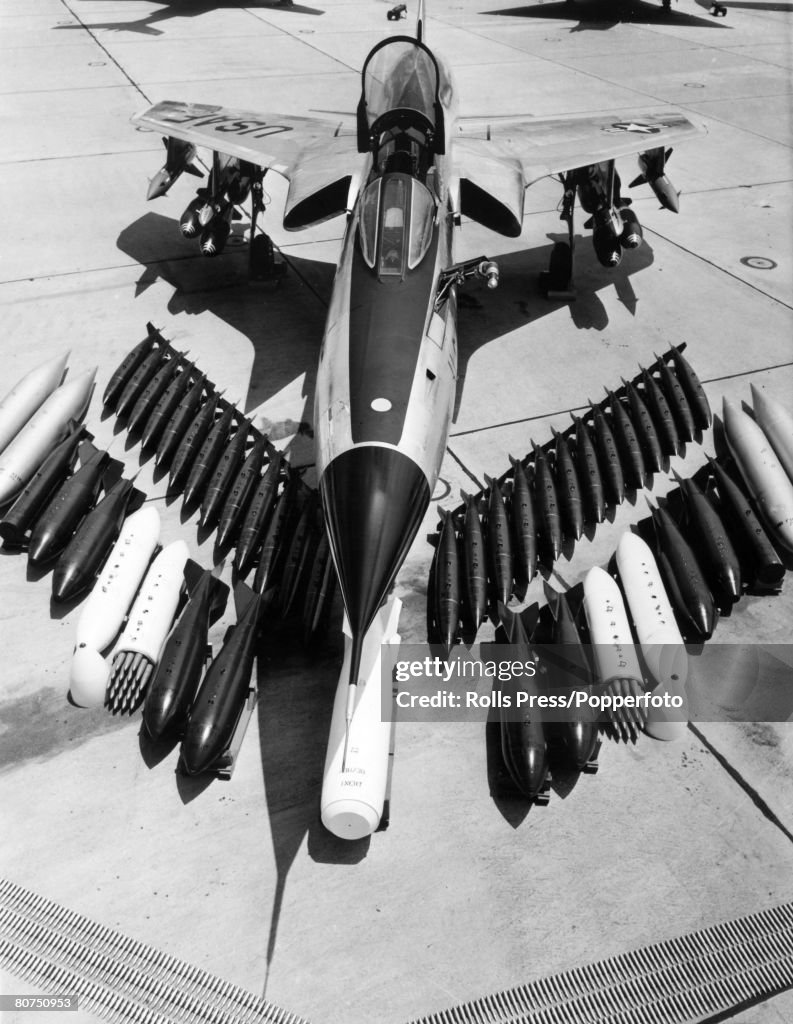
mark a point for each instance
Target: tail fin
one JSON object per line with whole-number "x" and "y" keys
{"x": 420, "y": 35}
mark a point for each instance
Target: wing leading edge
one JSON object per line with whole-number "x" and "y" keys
{"x": 273, "y": 141}
{"x": 553, "y": 145}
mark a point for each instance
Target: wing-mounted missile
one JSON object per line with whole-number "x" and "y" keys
{"x": 179, "y": 158}
{"x": 652, "y": 165}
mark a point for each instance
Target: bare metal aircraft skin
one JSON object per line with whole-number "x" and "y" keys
{"x": 404, "y": 174}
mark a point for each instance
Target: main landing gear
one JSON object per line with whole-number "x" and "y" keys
{"x": 264, "y": 264}
{"x": 557, "y": 281}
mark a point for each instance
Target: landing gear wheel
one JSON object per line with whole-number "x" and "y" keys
{"x": 263, "y": 265}
{"x": 718, "y": 11}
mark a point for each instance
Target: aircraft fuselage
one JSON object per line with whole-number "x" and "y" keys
{"x": 388, "y": 364}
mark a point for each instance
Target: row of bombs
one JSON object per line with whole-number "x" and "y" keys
{"x": 628, "y": 647}
{"x": 218, "y": 460}
{"x": 568, "y": 484}
{"x": 51, "y": 508}
{"x": 51, "y": 476}
{"x": 711, "y": 540}
{"x": 143, "y": 588}
{"x": 620, "y": 665}
{"x": 161, "y": 667}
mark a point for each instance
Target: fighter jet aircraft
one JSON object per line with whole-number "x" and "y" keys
{"x": 405, "y": 174}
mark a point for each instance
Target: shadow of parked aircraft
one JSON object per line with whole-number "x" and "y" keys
{"x": 187, "y": 9}
{"x": 601, "y": 15}
{"x": 285, "y": 324}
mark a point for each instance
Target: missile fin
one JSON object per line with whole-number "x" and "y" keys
{"x": 112, "y": 474}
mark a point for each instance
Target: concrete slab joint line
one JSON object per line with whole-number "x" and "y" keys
{"x": 717, "y": 969}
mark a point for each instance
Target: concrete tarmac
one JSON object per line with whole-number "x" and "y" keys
{"x": 464, "y": 894}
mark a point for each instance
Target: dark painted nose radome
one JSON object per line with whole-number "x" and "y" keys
{"x": 374, "y": 500}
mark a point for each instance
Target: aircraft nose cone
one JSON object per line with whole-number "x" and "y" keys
{"x": 374, "y": 499}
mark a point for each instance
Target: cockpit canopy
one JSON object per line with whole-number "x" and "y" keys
{"x": 396, "y": 222}
{"x": 400, "y": 93}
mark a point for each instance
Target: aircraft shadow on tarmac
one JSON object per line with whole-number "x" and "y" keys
{"x": 285, "y": 323}
{"x": 601, "y": 15}
{"x": 296, "y": 693}
{"x": 188, "y": 9}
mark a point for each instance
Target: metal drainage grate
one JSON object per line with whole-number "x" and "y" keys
{"x": 687, "y": 980}
{"x": 115, "y": 977}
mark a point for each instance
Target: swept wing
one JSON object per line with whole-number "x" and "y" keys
{"x": 553, "y": 145}
{"x": 274, "y": 141}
